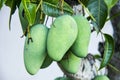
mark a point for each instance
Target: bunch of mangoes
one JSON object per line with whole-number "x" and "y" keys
{"x": 65, "y": 42}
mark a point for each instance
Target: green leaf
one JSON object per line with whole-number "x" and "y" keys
{"x": 99, "y": 11}
{"x": 97, "y": 56}
{"x": 109, "y": 50}
{"x": 40, "y": 17}
{"x": 1, "y": 3}
{"x": 12, "y": 4}
{"x": 30, "y": 11}
{"x": 52, "y": 8}
{"x": 85, "y": 2}
{"x": 110, "y": 3}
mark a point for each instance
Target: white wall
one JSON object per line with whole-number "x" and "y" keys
{"x": 96, "y": 38}
{"x": 11, "y": 51}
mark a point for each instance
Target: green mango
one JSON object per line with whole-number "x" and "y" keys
{"x": 101, "y": 77}
{"x": 80, "y": 46}
{"x": 62, "y": 78}
{"x": 61, "y": 36}
{"x": 23, "y": 19}
{"x": 70, "y": 63}
{"x": 35, "y": 52}
{"x": 46, "y": 62}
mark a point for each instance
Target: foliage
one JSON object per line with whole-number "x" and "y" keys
{"x": 110, "y": 3}
{"x": 109, "y": 48}
{"x": 97, "y": 10}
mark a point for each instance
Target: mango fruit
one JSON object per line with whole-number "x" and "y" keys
{"x": 62, "y": 78}
{"x": 61, "y": 36}
{"x": 35, "y": 52}
{"x": 47, "y": 62}
{"x": 70, "y": 63}
{"x": 101, "y": 77}
{"x": 80, "y": 46}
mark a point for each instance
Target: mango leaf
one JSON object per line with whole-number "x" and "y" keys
{"x": 52, "y": 8}
{"x": 85, "y": 2}
{"x": 30, "y": 11}
{"x": 109, "y": 50}
{"x": 12, "y": 4}
{"x": 1, "y": 3}
{"x": 110, "y": 3}
{"x": 40, "y": 17}
{"x": 99, "y": 11}
{"x": 23, "y": 20}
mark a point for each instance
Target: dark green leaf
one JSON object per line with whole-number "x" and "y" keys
{"x": 23, "y": 20}
{"x": 12, "y": 4}
{"x": 1, "y": 3}
{"x": 52, "y": 8}
{"x": 109, "y": 50}
{"x": 97, "y": 56}
{"x": 99, "y": 11}
{"x": 85, "y": 2}
{"x": 40, "y": 17}
{"x": 115, "y": 15}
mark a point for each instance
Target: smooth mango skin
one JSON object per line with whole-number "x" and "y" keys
{"x": 62, "y": 78}
{"x": 47, "y": 62}
{"x": 80, "y": 46}
{"x": 35, "y": 52}
{"x": 61, "y": 36}
{"x": 101, "y": 77}
{"x": 70, "y": 63}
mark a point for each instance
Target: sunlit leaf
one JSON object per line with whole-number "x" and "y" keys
{"x": 30, "y": 11}
{"x": 110, "y": 3}
{"x": 24, "y": 22}
{"x": 109, "y": 50}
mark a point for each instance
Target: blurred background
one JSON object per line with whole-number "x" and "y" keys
{"x": 11, "y": 50}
